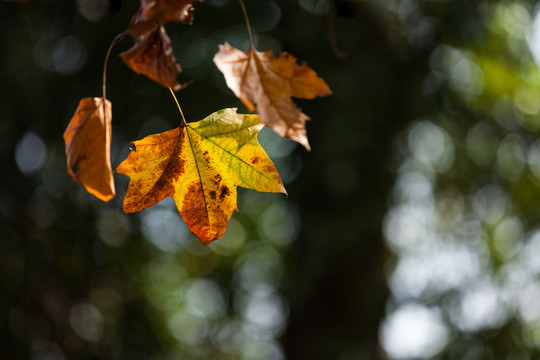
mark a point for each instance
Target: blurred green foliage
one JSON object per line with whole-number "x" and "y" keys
{"x": 410, "y": 230}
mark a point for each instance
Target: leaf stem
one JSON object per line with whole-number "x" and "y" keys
{"x": 332, "y": 36}
{"x": 247, "y": 23}
{"x": 116, "y": 40}
{"x": 184, "y": 123}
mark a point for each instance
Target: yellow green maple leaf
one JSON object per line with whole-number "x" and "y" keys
{"x": 200, "y": 165}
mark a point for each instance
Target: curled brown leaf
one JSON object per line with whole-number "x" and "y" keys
{"x": 152, "y": 55}
{"x": 88, "y": 144}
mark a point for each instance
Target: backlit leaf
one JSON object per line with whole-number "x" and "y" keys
{"x": 269, "y": 82}
{"x": 200, "y": 165}
{"x": 88, "y": 143}
{"x": 152, "y": 55}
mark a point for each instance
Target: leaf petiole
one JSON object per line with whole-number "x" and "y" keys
{"x": 179, "y": 108}
{"x": 247, "y": 23}
{"x": 116, "y": 40}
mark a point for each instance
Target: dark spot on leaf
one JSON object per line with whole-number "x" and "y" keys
{"x": 255, "y": 160}
{"x": 175, "y": 169}
{"x": 216, "y": 180}
{"x": 269, "y": 168}
{"x": 213, "y": 195}
{"x": 224, "y": 192}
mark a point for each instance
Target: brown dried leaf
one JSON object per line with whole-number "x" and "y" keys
{"x": 88, "y": 144}
{"x": 164, "y": 11}
{"x": 152, "y": 55}
{"x": 140, "y": 25}
{"x": 269, "y": 82}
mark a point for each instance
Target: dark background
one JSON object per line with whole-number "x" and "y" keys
{"x": 410, "y": 229}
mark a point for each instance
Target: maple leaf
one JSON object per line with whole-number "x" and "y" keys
{"x": 88, "y": 143}
{"x": 152, "y": 55}
{"x": 200, "y": 165}
{"x": 269, "y": 83}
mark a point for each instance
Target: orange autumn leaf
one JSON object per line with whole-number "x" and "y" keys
{"x": 152, "y": 55}
{"x": 88, "y": 143}
{"x": 200, "y": 165}
{"x": 268, "y": 82}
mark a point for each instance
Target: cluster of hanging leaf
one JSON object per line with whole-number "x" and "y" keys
{"x": 199, "y": 164}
